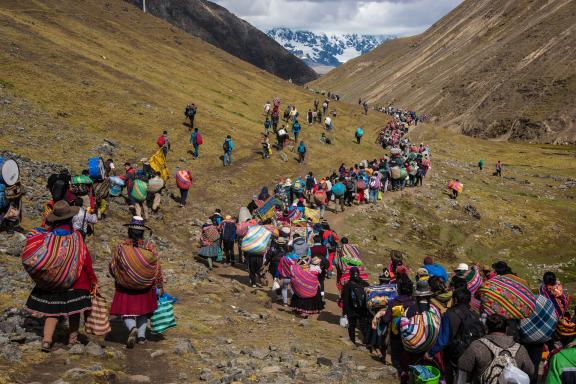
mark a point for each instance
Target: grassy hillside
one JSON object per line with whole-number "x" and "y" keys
{"x": 76, "y": 73}
{"x": 497, "y": 69}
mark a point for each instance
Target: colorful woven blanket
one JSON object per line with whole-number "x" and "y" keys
{"x": 507, "y": 297}
{"x": 52, "y": 261}
{"x": 134, "y": 267}
{"x": 304, "y": 282}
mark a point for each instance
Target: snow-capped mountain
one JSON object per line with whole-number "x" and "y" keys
{"x": 325, "y": 50}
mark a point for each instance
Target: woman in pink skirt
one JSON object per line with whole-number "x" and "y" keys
{"x": 135, "y": 306}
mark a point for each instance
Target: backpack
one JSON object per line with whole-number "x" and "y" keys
{"x": 310, "y": 182}
{"x": 501, "y": 358}
{"x": 226, "y": 146}
{"x": 471, "y": 328}
{"x": 199, "y": 139}
{"x": 375, "y": 182}
{"x": 161, "y": 141}
{"x": 228, "y": 231}
{"x": 358, "y": 295}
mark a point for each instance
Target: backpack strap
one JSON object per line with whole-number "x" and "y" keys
{"x": 496, "y": 350}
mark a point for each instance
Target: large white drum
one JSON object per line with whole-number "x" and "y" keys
{"x": 9, "y": 172}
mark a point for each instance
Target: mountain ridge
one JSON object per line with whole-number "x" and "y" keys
{"x": 321, "y": 49}
{"x": 494, "y": 69}
{"x": 218, "y": 26}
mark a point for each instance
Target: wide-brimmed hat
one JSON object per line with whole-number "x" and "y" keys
{"x": 285, "y": 230}
{"x": 462, "y": 267}
{"x": 62, "y": 211}
{"x": 228, "y": 217}
{"x": 281, "y": 241}
{"x": 304, "y": 260}
{"x": 422, "y": 289}
{"x": 137, "y": 222}
{"x": 288, "y": 182}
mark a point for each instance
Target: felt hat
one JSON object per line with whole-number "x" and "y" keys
{"x": 62, "y": 211}
{"x": 228, "y": 217}
{"x": 422, "y": 289}
{"x": 137, "y": 222}
{"x": 281, "y": 241}
{"x": 285, "y": 230}
{"x": 288, "y": 182}
{"x": 462, "y": 267}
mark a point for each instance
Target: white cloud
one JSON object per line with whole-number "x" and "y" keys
{"x": 398, "y": 17}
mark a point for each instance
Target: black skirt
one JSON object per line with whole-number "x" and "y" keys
{"x": 311, "y": 306}
{"x": 43, "y": 303}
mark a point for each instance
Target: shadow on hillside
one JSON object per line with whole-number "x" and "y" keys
{"x": 244, "y": 280}
{"x": 329, "y": 317}
{"x": 119, "y": 333}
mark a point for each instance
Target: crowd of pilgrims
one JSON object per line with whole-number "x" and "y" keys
{"x": 433, "y": 325}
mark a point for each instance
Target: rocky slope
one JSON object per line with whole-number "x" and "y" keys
{"x": 326, "y": 50}
{"x": 497, "y": 69}
{"x": 219, "y": 27}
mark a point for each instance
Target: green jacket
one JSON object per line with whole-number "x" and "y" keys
{"x": 562, "y": 368}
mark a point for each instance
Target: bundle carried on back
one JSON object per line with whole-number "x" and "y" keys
{"x": 139, "y": 190}
{"x": 378, "y": 296}
{"x": 420, "y": 332}
{"x": 508, "y": 297}
{"x": 540, "y": 327}
{"x": 134, "y": 267}
{"x": 350, "y": 255}
{"x": 304, "y": 282}
{"x": 53, "y": 261}
{"x": 256, "y": 240}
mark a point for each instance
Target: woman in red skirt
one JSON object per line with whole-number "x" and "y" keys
{"x": 135, "y": 306}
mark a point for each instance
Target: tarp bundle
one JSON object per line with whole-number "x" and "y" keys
{"x": 53, "y": 261}
{"x": 158, "y": 164}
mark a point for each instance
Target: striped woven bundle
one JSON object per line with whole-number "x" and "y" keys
{"x": 268, "y": 209}
{"x": 210, "y": 235}
{"x": 285, "y": 266}
{"x": 507, "y": 297}
{"x": 473, "y": 279}
{"x": 345, "y": 278}
{"x": 420, "y": 332}
{"x": 98, "y": 321}
{"x": 183, "y": 180}
{"x": 294, "y": 214}
{"x": 256, "y": 240}
{"x": 304, "y": 283}
{"x": 539, "y": 327}
{"x": 82, "y": 179}
{"x": 475, "y": 306}
{"x": 134, "y": 267}
{"x": 139, "y": 190}
{"x": 54, "y": 262}
{"x": 350, "y": 255}
{"x": 163, "y": 318}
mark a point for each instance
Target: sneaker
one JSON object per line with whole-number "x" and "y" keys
{"x": 253, "y": 285}
{"x": 132, "y": 338}
{"x": 141, "y": 340}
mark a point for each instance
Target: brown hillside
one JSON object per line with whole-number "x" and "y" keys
{"x": 495, "y": 69}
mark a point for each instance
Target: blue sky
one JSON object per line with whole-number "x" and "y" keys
{"x": 396, "y": 17}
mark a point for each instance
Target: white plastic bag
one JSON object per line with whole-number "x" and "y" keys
{"x": 344, "y": 322}
{"x": 513, "y": 375}
{"x": 275, "y": 285}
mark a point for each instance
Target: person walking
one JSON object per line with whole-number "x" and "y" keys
{"x": 135, "y": 293}
{"x": 301, "y": 152}
{"x": 228, "y": 236}
{"x": 473, "y": 364}
{"x": 359, "y": 133}
{"x": 53, "y": 304}
{"x": 481, "y": 164}
{"x": 354, "y": 305}
{"x": 228, "y": 146}
{"x": 196, "y": 141}
{"x": 190, "y": 113}
{"x": 183, "y": 182}
{"x": 498, "y": 169}
{"x": 296, "y": 130}
{"x": 164, "y": 143}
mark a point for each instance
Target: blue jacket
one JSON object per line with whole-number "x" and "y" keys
{"x": 359, "y": 132}
{"x": 296, "y": 127}
{"x": 437, "y": 270}
{"x": 230, "y": 144}
{"x": 301, "y": 148}
{"x": 193, "y": 138}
